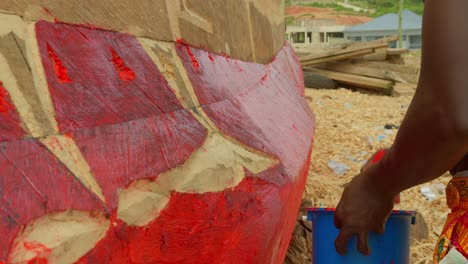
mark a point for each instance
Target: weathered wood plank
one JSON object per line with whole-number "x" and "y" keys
{"x": 337, "y": 57}
{"x": 380, "y": 85}
{"x": 396, "y": 51}
{"x": 371, "y": 71}
{"x": 253, "y": 32}
{"x": 356, "y": 46}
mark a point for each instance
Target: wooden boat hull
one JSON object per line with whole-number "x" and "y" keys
{"x": 122, "y": 149}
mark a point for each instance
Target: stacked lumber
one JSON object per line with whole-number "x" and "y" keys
{"x": 368, "y": 65}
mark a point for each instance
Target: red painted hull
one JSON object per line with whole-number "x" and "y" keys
{"x": 114, "y": 102}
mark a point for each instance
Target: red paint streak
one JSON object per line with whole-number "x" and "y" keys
{"x": 41, "y": 252}
{"x": 123, "y": 71}
{"x": 5, "y": 105}
{"x": 47, "y": 11}
{"x": 378, "y": 156}
{"x": 59, "y": 68}
{"x": 210, "y": 57}
{"x": 195, "y": 63}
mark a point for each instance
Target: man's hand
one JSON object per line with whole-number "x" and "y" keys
{"x": 362, "y": 209}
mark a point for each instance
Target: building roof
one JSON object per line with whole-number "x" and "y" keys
{"x": 389, "y": 21}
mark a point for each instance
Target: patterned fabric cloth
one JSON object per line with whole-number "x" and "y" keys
{"x": 454, "y": 257}
{"x": 454, "y": 235}
{"x": 455, "y": 232}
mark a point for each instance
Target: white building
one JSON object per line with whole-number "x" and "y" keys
{"x": 316, "y": 31}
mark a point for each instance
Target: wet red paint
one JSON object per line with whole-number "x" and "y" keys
{"x": 141, "y": 149}
{"x": 96, "y": 97}
{"x": 212, "y": 227}
{"x": 60, "y": 70}
{"x": 248, "y": 106}
{"x": 218, "y": 227}
{"x": 123, "y": 71}
{"x": 38, "y": 184}
{"x": 5, "y": 106}
{"x": 9, "y": 119}
{"x": 378, "y": 156}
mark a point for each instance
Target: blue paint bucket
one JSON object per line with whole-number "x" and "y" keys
{"x": 392, "y": 247}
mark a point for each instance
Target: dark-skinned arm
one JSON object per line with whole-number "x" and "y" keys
{"x": 433, "y": 136}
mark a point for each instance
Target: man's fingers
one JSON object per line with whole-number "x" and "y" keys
{"x": 337, "y": 221}
{"x": 363, "y": 243}
{"x": 341, "y": 242}
{"x": 380, "y": 229}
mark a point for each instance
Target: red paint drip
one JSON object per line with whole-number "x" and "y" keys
{"x": 124, "y": 72}
{"x": 195, "y": 63}
{"x": 210, "y": 57}
{"x": 5, "y": 105}
{"x": 60, "y": 70}
{"x": 47, "y": 11}
{"x": 377, "y": 157}
{"x": 263, "y": 79}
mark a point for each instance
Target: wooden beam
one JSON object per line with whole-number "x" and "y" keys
{"x": 383, "y": 86}
{"x": 392, "y": 52}
{"x": 337, "y": 57}
{"x": 408, "y": 73}
{"x": 369, "y": 71}
{"x": 351, "y": 51}
{"x": 352, "y": 48}
{"x": 387, "y": 66}
{"x": 324, "y": 54}
{"x": 254, "y": 31}
{"x": 380, "y": 54}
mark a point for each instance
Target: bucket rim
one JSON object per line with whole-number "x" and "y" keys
{"x": 332, "y": 210}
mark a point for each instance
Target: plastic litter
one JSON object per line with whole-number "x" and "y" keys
{"x": 338, "y": 168}
{"x": 433, "y": 191}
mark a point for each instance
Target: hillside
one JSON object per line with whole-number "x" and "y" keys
{"x": 342, "y": 18}
{"x": 381, "y": 7}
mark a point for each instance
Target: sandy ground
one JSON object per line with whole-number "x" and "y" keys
{"x": 350, "y": 127}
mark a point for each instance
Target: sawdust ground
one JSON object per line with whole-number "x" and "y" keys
{"x": 350, "y": 127}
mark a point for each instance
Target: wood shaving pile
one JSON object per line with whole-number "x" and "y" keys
{"x": 350, "y": 128}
